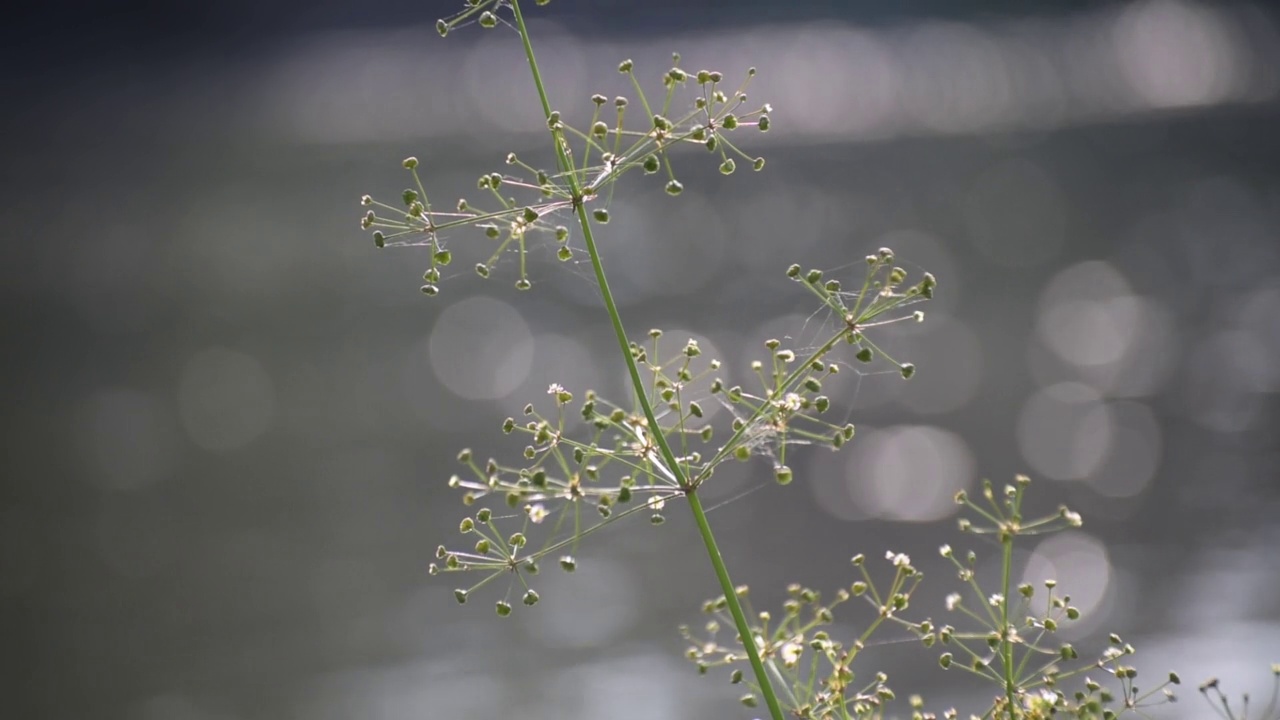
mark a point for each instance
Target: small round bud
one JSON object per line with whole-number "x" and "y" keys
{"x": 409, "y": 163}
{"x": 729, "y": 122}
{"x": 674, "y": 187}
{"x": 442, "y": 28}
{"x": 864, "y": 355}
{"x": 601, "y": 215}
{"x": 793, "y": 272}
{"x": 568, "y": 563}
{"x": 460, "y": 595}
{"x": 763, "y": 123}
{"x": 599, "y": 129}
{"x": 379, "y": 240}
{"x": 907, "y": 370}
{"x": 728, "y": 166}
{"x": 782, "y": 474}
{"x": 488, "y": 21}
{"x": 651, "y": 164}
{"x": 758, "y": 165}
{"x": 625, "y": 66}
{"x": 599, "y": 99}
{"x": 530, "y": 598}
{"x": 503, "y": 607}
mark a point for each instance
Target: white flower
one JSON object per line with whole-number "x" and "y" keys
{"x": 953, "y": 601}
{"x": 945, "y": 551}
{"x": 996, "y": 599}
{"x": 898, "y": 559}
{"x": 555, "y": 389}
{"x": 657, "y": 502}
{"x": 791, "y": 653}
{"x": 536, "y": 512}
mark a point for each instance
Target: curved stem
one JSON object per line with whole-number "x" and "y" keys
{"x": 668, "y": 457}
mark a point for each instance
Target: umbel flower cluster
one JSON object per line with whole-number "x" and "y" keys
{"x": 588, "y": 463}
{"x": 1003, "y": 635}
{"x": 523, "y": 201}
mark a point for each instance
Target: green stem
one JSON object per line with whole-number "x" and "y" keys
{"x": 668, "y": 457}
{"x": 1006, "y": 643}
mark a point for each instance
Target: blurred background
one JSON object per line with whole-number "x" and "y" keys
{"x": 229, "y": 419}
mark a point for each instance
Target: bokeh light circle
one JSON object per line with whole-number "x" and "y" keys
{"x": 480, "y": 348}
{"x": 909, "y": 473}
{"x": 226, "y": 399}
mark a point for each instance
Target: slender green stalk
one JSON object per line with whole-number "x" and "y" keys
{"x": 1006, "y": 642}
{"x": 668, "y": 457}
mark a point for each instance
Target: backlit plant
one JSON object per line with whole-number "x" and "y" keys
{"x": 589, "y": 461}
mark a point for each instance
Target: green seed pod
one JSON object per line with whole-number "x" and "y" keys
{"x": 695, "y": 409}
{"x": 601, "y": 215}
{"x": 599, "y": 129}
{"x": 674, "y": 187}
{"x": 443, "y": 257}
{"x": 945, "y": 660}
{"x": 782, "y": 474}
{"x": 728, "y": 166}
{"x": 460, "y": 595}
{"x": 530, "y": 598}
{"x": 409, "y": 163}
{"x": 864, "y": 355}
{"x": 482, "y": 546}
{"x": 568, "y": 563}
{"x": 651, "y": 164}
{"x": 763, "y": 123}
{"x": 907, "y": 370}
{"x": 442, "y": 28}
{"x": 523, "y": 284}
{"x": 504, "y": 608}
{"x": 379, "y": 240}
{"x": 625, "y": 66}
{"x": 758, "y": 164}
{"x": 409, "y": 197}
{"x": 729, "y": 122}
{"x": 488, "y": 21}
